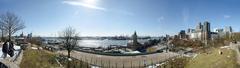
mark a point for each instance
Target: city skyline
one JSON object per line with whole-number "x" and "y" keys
{"x": 111, "y": 17}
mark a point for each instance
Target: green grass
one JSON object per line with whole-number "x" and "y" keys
{"x": 214, "y": 60}
{"x": 176, "y": 63}
{"x": 46, "y": 59}
{"x": 38, "y": 59}
{"x": 75, "y": 63}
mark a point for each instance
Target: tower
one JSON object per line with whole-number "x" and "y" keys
{"x": 199, "y": 31}
{"x": 199, "y": 27}
{"x": 134, "y": 38}
{"x": 134, "y": 44}
{"x": 206, "y": 31}
{"x": 21, "y": 35}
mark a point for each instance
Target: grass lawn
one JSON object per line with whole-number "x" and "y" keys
{"x": 75, "y": 64}
{"x": 176, "y": 63}
{"x": 46, "y": 59}
{"x": 214, "y": 60}
{"x": 38, "y": 59}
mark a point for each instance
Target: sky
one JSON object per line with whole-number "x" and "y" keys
{"x": 121, "y": 17}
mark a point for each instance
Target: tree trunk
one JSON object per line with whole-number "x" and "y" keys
{"x": 9, "y": 35}
{"x": 68, "y": 65}
{"x": 2, "y": 35}
{"x": 69, "y": 53}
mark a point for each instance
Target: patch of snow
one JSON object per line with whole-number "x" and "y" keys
{"x": 133, "y": 52}
{"x": 16, "y": 51}
{"x": 228, "y": 56}
{"x": 195, "y": 55}
{"x": 40, "y": 48}
{"x": 158, "y": 65}
{"x": 69, "y": 59}
{"x": 34, "y": 48}
{"x": 95, "y": 67}
{"x": 225, "y": 47}
{"x": 17, "y": 47}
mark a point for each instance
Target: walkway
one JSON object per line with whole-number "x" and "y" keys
{"x": 12, "y": 62}
{"x": 236, "y": 48}
{"x": 121, "y": 61}
{"x": 9, "y": 63}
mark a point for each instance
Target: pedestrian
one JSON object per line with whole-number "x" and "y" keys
{"x": 5, "y": 49}
{"x": 11, "y": 49}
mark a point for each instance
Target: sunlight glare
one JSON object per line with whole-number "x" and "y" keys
{"x": 90, "y": 2}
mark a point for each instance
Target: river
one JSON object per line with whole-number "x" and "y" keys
{"x": 100, "y": 43}
{"x": 104, "y": 43}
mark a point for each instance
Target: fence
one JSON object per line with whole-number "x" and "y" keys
{"x": 116, "y": 54}
{"x": 126, "y": 62}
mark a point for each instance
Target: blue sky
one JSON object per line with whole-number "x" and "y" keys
{"x": 122, "y": 17}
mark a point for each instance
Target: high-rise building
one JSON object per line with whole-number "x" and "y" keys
{"x": 228, "y": 29}
{"x": 22, "y": 35}
{"x": 182, "y": 34}
{"x": 201, "y": 32}
{"x": 199, "y": 27}
{"x": 218, "y": 30}
{"x": 29, "y": 35}
{"x": 206, "y": 31}
{"x": 190, "y": 30}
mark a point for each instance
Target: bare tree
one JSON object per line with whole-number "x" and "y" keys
{"x": 2, "y": 30}
{"x": 69, "y": 37}
{"x": 11, "y": 23}
{"x": 2, "y": 33}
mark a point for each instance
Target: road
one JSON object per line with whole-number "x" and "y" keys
{"x": 121, "y": 61}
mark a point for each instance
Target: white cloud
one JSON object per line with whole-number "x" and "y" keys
{"x": 93, "y": 4}
{"x": 227, "y": 16}
{"x": 83, "y": 4}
